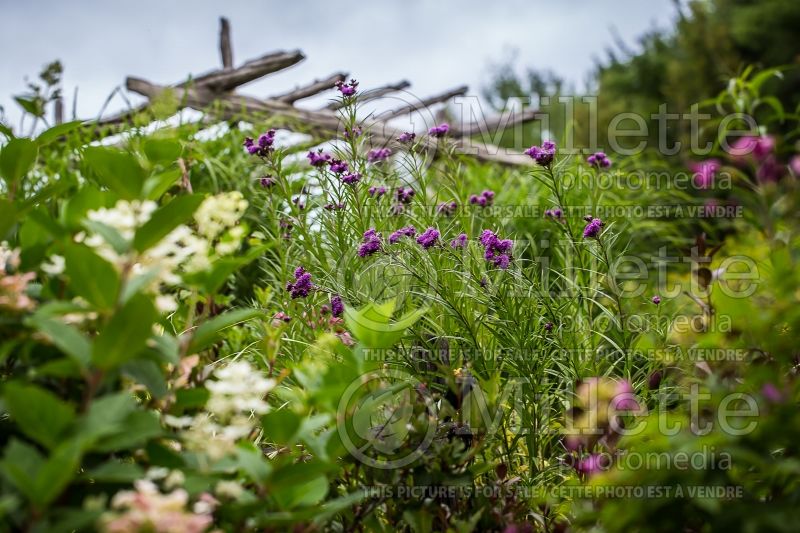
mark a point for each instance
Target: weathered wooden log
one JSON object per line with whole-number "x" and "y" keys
{"x": 221, "y": 80}
{"x": 421, "y": 105}
{"x": 225, "y": 47}
{"x": 373, "y": 94}
{"x": 313, "y": 88}
{"x": 491, "y": 125}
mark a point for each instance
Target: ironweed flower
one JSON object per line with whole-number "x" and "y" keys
{"x": 544, "y": 154}
{"x": 268, "y": 182}
{"x": 598, "y": 160}
{"x": 263, "y": 146}
{"x": 484, "y": 199}
{"x": 377, "y": 192}
{"x": 593, "y": 228}
{"x": 429, "y": 238}
{"x": 351, "y": 179}
{"x": 318, "y": 158}
{"x": 378, "y": 154}
{"x": 440, "y": 130}
{"x": 301, "y": 286}
{"x": 370, "y": 244}
{"x": 337, "y": 307}
{"x": 447, "y": 208}
{"x": 459, "y": 242}
{"x": 497, "y": 251}
{"x": 354, "y": 132}
{"x": 407, "y": 137}
{"x": 408, "y": 231}
{"x": 338, "y": 166}
{"x": 404, "y": 194}
{"x": 347, "y": 89}
{"x": 656, "y": 299}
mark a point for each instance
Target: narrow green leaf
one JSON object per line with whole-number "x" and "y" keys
{"x": 58, "y": 131}
{"x": 210, "y": 332}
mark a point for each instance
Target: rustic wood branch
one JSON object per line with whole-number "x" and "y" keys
{"x": 221, "y": 80}
{"x": 225, "y": 46}
{"x": 373, "y": 94}
{"x": 493, "y": 124}
{"x": 423, "y": 104}
{"x": 315, "y": 87}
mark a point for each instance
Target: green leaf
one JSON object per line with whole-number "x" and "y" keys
{"x": 21, "y": 464}
{"x": 109, "y": 234}
{"x": 34, "y": 106}
{"x": 162, "y": 150}
{"x": 115, "y": 472}
{"x": 281, "y": 426}
{"x": 149, "y": 374}
{"x": 39, "y": 413}
{"x": 166, "y": 219}
{"x": 139, "y": 427}
{"x": 66, "y": 338}
{"x": 86, "y": 199}
{"x": 191, "y": 398}
{"x": 17, "y": 159}
{"x": 155, "y": 186}
{"x": 252, "y": 462}
{"x": 57, "y": 472}
{"x": 117, "y": 170}
{"x": 8, "y": 217}
{"x": 213, "y": 279}
{"x": 91, "y": 276}
{"x": 126, "y": 333}
{"x": 210, "y": 332}
{"x": 106, "y": 416}
{"x": 58, "y": 131}
{"x": 370, "y": 324}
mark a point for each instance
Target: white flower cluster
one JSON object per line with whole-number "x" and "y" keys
{"x": 236, "y": 396}
{"x": 182, "y": 250}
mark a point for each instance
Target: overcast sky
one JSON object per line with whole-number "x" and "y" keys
{"x": 434, "y": 44}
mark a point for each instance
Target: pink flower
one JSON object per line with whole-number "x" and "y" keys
{"x": 759, "y": 147}
{"x": 705, "y": 172}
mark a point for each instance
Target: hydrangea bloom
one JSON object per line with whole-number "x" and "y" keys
{"x": 337, "y": 307}
{"x": 318, "y": 158}
{"x": 351, "y": 179}
{"x": 378, "y": 154}
{"x": 484, "y": 199}
{"x": 408, "y": 231}
{"x": 263, "y": 146}
{"x": 347, "y": 89}
{"x": 439, "y": 131}
{"x": 429, "y": 238}
{"x": 147, "y": 509}
{"x": 544, "y": 154}
{"x": 338, "y": 166}
{"x": 370, "y": 244}
{"x": 407, "y": 137}
{"x": 459, "y": 242}
{"x": 593, "y": 228}
{"x": 301, "y": 286}
{"x": 599, "y": 160}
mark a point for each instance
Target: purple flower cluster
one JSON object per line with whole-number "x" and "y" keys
{"x": 484, "y": 199}
{"x": 404, "y": 195}
{"x": 337, "y": 307}
{"x": 556, "y": 213}
{"x": 544, "y": 154}
{"x": 705, "y": 172}
{"x": 318, "y": 158}
{"x": 378, "y": 154}
{"x": 656, "y": 299}
{"x": 593, "y": 228}
{"x": 439, "y": 131}
{"x": 429, "y": 238}
{"x": 447, "y": 209}
{"x": 370, "y": 244}
{"x": 347, "y": 89}
{"x": 598, "y": 160}
{"x": 408, "y": 231}
{"x": 268, "y": 182}
{"x": 407, "y": 137}
{"x": 263, "y": 146}
{"x": 351, "y": 179}
{"x": 459, "y": 242}
{"x": 497, "y": 251}
{"x": 338, "y": 166}
{"x": 301, "y": 285}
{"x": 354, "y": 132}
{"x": 333, "y": 207}
{"x": 377, "y": 192}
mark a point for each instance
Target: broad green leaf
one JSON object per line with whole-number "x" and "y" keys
{"x": 67, "y": 338}
{"x": 21, "y": 464}
{"x": 91, "y": 276}
{"x": 106, "y": 416}
{"x": 210, "y": 331}
{"x": 126, "y": 333}
{"x": 117, "y": 170}
{"x": 371, "y": 326}
{"x": 149, "y": 374}
{"x": 39, "y": 413}
{"x": 139, "y": 427}
{"x": 115, "y": 472}
{"x": 252, "y": 462}
{"x": 213, "y": 279}
{"x": 162, "y": 150}
{"x": 281, "y": 426}
{"x": 165, "y": 219}
{"x": 88, "y": 198}
{"x": 34, "y": 106}
{"x": 156, "y": 185}
{"x": 191, "y": 398}
{"x": 109, "y": 234}
{"x": 56, "y": 473}
{"x": 58, "y": 131}
{"x": 8, "y": 217}
{"x": 17, "y": 159}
